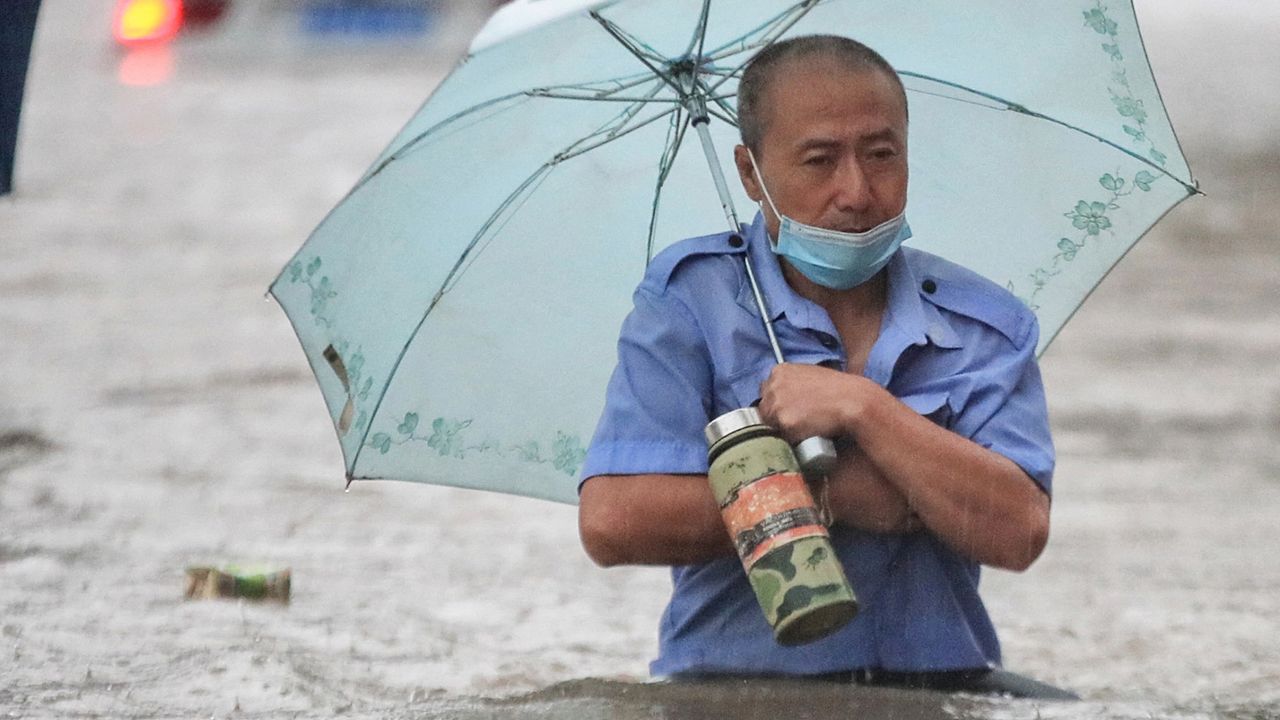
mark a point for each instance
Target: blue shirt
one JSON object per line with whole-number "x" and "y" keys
{"x": 953, "y": 346}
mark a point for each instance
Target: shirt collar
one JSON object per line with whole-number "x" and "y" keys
{"x": 906, "y": 312}
{"x": 779, "y": 296}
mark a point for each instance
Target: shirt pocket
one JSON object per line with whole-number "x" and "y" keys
{"x": 744, "y": 385}
{"x": 935, "y": 406}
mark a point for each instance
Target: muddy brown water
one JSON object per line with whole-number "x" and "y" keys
{"x": 157, "y": 414}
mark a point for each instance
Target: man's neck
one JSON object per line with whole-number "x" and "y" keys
{"x": 856, "y": 313}
{"x": 867, "y": 300}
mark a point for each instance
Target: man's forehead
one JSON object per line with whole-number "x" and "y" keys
{"x": 816, "y": 107}
{"x": 818, "y": 138}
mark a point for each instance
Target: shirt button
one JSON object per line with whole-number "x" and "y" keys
{"x": 929, "y": 286}
{"x": 735, "y": 241}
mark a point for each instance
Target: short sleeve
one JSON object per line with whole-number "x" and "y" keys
{"x": 659, "y": 396}
{"x": 1006, "y": 411}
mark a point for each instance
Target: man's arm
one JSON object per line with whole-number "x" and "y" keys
{"x": 674, "y": 519}
{"x": 861, "y": 498}
{"x": 651, "y": 520}
{"x": 976, "y": 500}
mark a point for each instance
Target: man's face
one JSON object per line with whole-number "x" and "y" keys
{"x": 834, "y": 150}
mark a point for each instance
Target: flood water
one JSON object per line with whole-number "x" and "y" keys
{"x": 157, "y": 413}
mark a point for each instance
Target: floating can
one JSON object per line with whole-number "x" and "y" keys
{"x": 777, "y": 529}
{"x": 230, "y": 581}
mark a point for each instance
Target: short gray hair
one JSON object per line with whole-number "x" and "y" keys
{"x": 759, "y": 74}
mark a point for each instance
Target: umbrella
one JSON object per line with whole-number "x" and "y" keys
{"x": 17, "y": 26}
{"x": 460, "y": 305}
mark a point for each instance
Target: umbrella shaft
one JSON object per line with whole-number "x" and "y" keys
{"x": 817, "y": 455}
{"x": 708, "y": 149}
{"x": 699, "y": 122}
{"x": 764, "y": 310}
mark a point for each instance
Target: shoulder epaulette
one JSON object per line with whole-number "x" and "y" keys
{"x": 665, "y": 263}
{"x": 962, "y": 291}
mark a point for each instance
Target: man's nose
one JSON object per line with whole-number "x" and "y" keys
{"x": 852, "y": 191}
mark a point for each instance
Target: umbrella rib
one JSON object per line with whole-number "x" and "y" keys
{"x": 416, "y": 139}
{"x": 618, "y": 84}
{"x": 626, "y": 83}
{"x": 1008, "y": 105}
{"x": 614, "y": 135}
{"x": 780, "y": 26}
{"x": 571, "y": 151}
{"x": 713, "y": 70}
{"x": 730, "y": 114}
{"x": 665, "y": 164}
{"x": 700, "y": 32}
{"x": 598, "y": 98}
{"x": 623, "y": 39}
{"x": 636, "y": 43}
{"x": 610, "y": 129}
{"x": 475, "y": 239}
{"x": 720, "y": 116}
{"x": 767, "y": 30}
{"x": 497, "y": 222}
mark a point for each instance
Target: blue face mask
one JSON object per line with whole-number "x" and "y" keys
{"x": 834, "y": 259}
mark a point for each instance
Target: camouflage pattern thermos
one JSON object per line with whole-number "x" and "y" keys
{"x": 777, "y": 529}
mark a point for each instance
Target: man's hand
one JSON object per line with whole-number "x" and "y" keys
{"x": 804, "y": 401}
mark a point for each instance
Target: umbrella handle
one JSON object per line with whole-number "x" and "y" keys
{"x": 817, "y": 456}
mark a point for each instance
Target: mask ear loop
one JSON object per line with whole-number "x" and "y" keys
{"x": 755, "y": 168}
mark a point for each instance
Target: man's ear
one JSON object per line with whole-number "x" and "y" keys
{"x": 747, "y": 173}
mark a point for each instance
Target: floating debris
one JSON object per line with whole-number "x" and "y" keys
{"x": 230, "y": 581}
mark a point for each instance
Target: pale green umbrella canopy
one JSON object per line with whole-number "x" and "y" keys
{"x": 460, "y": 307}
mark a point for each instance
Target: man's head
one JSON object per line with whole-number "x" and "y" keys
{"x": 826, "y": 118}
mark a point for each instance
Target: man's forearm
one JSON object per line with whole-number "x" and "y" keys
{"x": 651, "y": 520}
{"x": 861, "y": 498}
{"x": 976, "y": 500}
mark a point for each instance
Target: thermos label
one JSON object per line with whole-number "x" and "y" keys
{"x": 772, "y": 510}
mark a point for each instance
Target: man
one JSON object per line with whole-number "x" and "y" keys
{"x": 923, "y": 372}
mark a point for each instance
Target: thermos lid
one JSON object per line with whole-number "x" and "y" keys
{"x": 731, "y": 422}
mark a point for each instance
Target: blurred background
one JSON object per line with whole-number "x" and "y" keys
{"x": 157, "y": 412}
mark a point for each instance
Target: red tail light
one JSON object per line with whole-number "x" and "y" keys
{"x": 147, "y": 21}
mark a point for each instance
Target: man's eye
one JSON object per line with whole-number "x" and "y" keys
{"x": 884, "y": 153}
{"x": 818, "y": 160}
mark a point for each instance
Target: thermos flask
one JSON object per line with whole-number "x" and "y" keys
{"x": 777, "y": 529}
